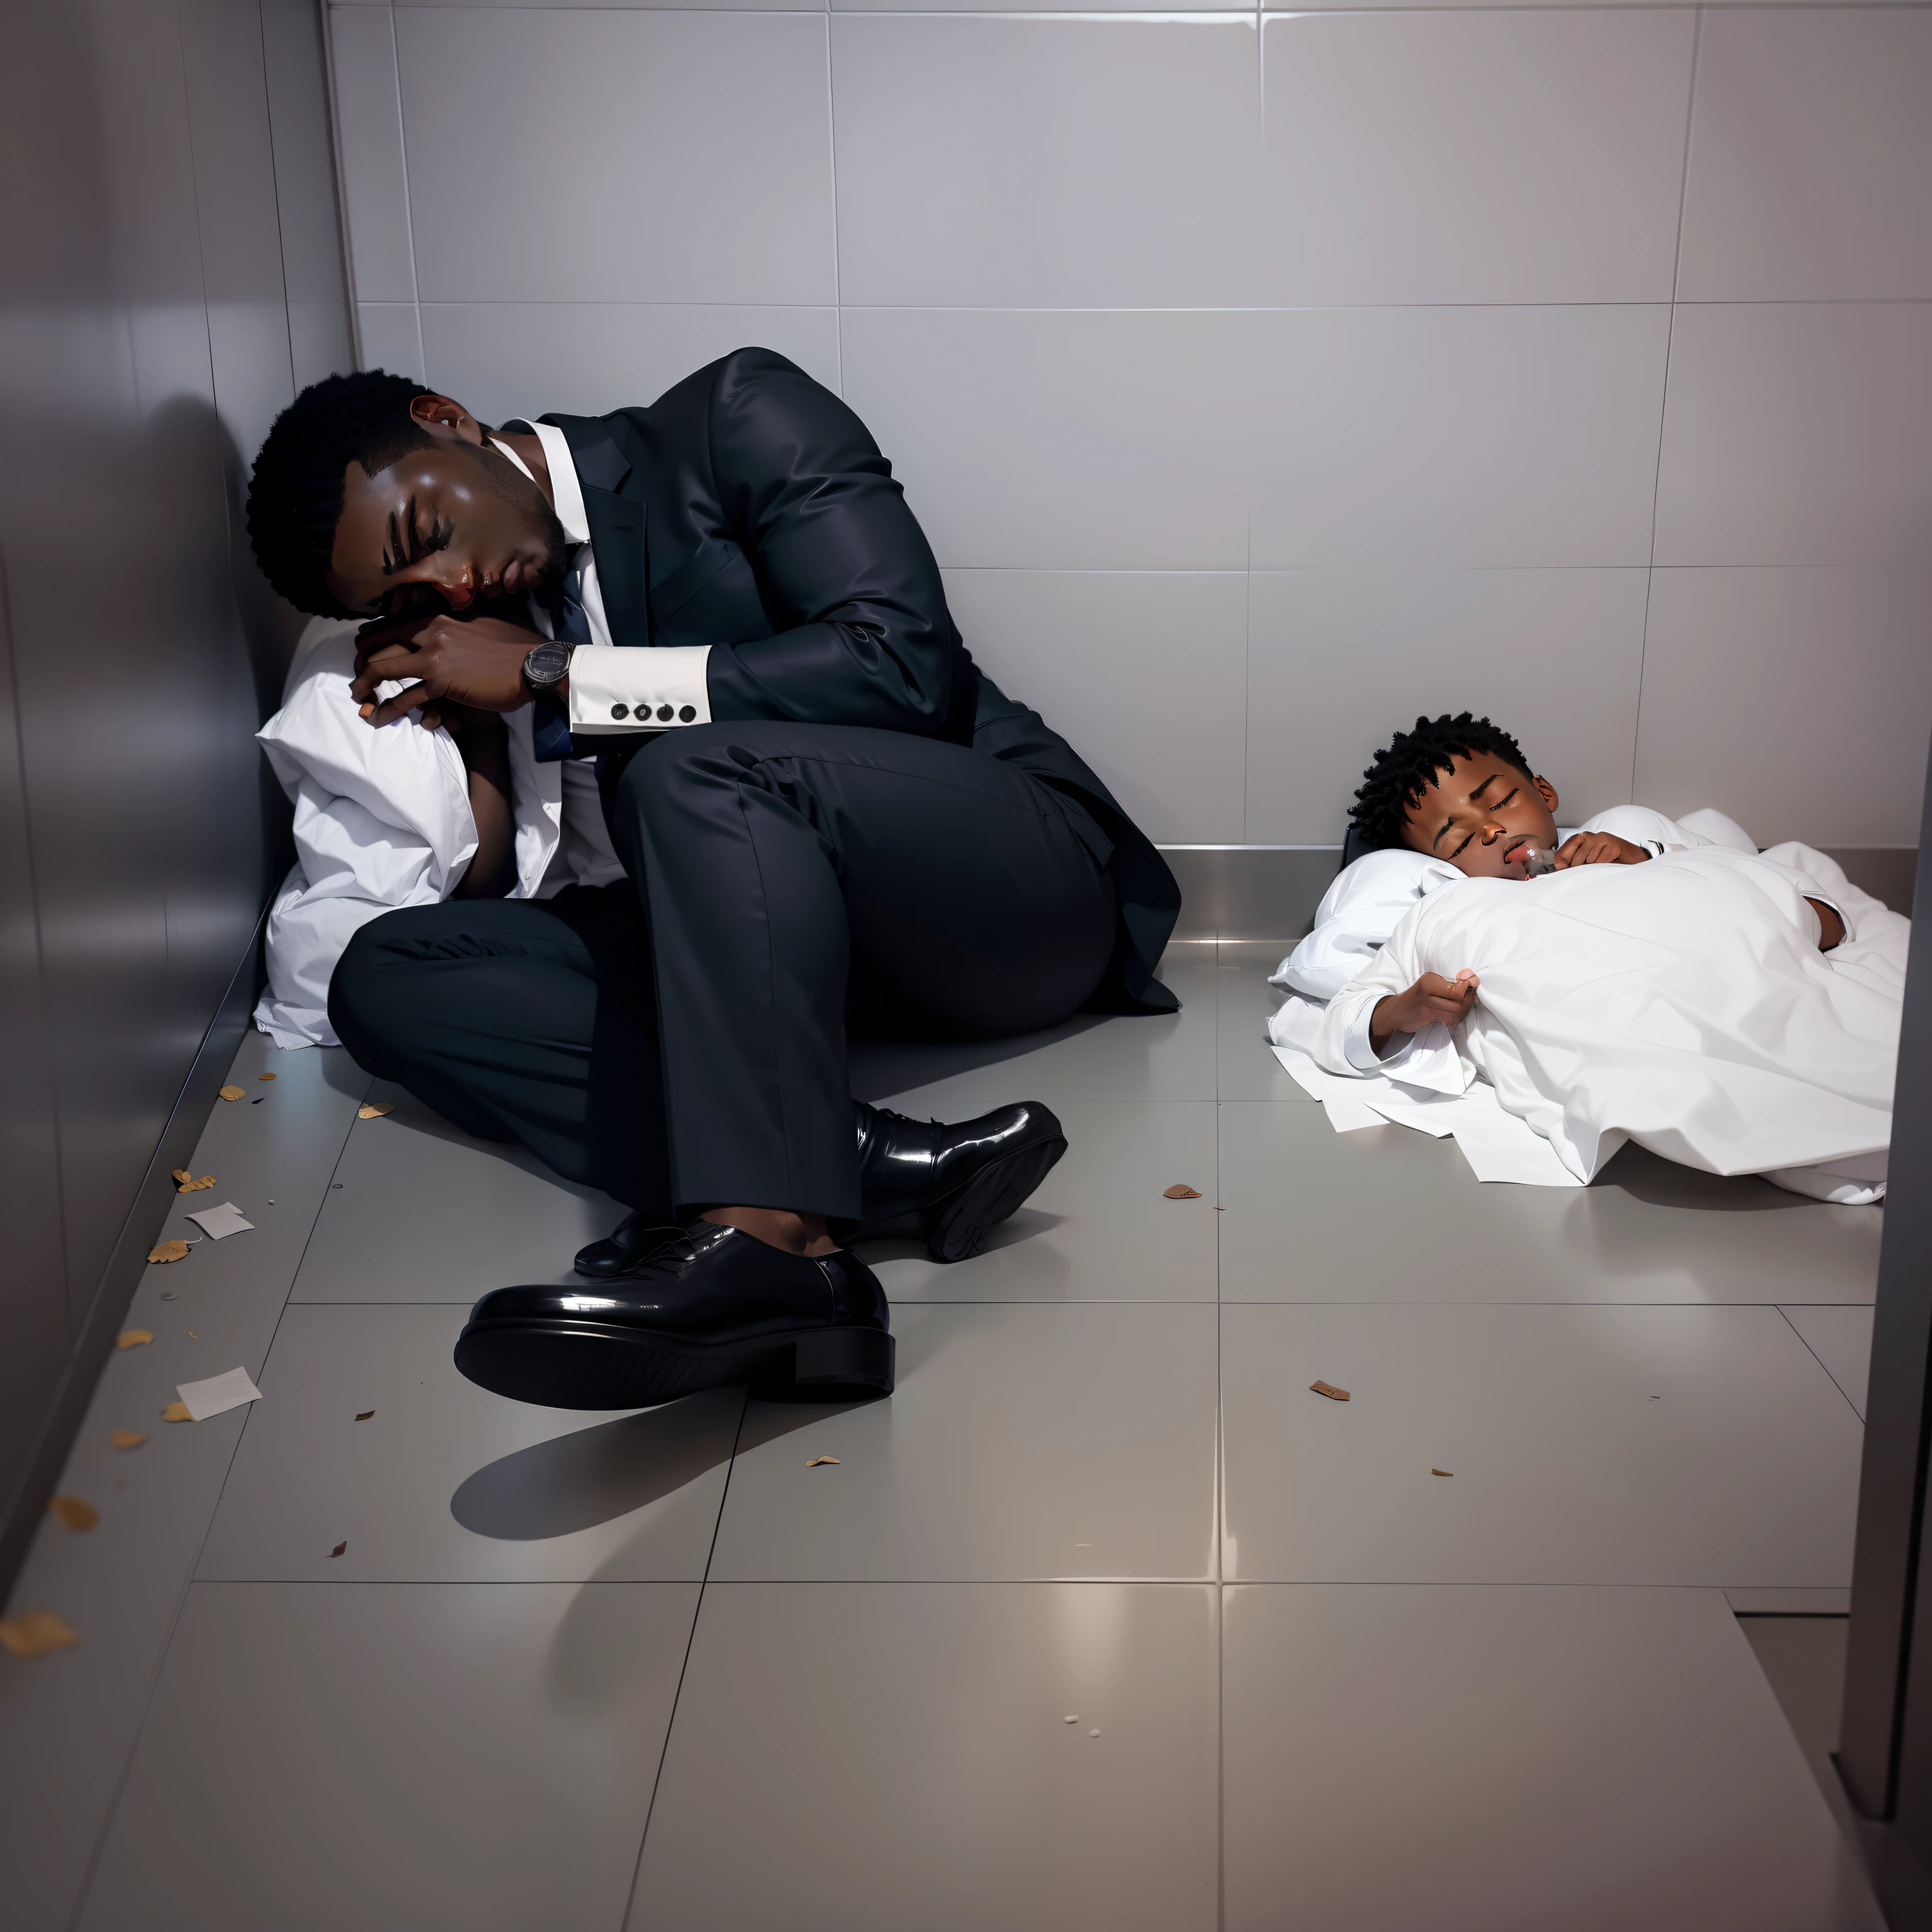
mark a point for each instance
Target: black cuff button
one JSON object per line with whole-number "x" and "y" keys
{"x": 620, "y": 711}
{"x": 663, "y": 714}
{"x": 688, "y": 713}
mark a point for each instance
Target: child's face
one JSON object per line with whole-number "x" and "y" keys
{"x": 1483, "y": 816}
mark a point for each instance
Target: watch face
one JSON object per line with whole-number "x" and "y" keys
{"x": 546, "y": 664}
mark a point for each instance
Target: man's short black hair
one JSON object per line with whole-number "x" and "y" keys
{"x": 294, "y": 499}
{"x": 1408, "y": 767}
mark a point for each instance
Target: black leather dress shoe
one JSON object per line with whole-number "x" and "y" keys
{"x": 959, "y": 1181}
{"x": 956, "y": 1182}
{"x": 712, "y": 1306}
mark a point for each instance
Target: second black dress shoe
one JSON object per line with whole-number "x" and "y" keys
{"x": 959, "y": 1181}
{"x": 710, "y": 1307}
{"x": 955, "y": 1182}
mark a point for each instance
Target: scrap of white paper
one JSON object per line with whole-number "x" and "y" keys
{"x": 1346, "y": 1113}
{"x": 218, "y": 1393}
{"x": 218, "y": 1222}
{"x": 1499, "y": 1146}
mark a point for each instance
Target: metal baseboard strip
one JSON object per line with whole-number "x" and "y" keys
{"x": 1270, "y": 891}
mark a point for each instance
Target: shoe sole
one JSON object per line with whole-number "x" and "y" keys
{"x": 560, "y": 1364}
{"x": 957, "y": 1228}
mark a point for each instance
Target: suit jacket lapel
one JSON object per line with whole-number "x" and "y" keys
{"x": 618, "y": 532}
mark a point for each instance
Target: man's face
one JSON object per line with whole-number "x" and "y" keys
{"x": 1483, "y": 816}
{"x": 445, "y": 527}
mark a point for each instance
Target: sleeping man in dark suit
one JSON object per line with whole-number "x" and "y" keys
{"x": 788, "y": 793}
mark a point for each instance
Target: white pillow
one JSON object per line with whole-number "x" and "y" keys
{"x": 1365, "y": 903}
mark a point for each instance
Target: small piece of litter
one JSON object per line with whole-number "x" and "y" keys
{"x": 265, "y": 1076}
{"x": 218, "y": 1223}
{"x": 1653, "y": 1398}
{"x": 1442, "y": 1472}
{"x": 1330, "y": 1390}
{"x": 374, "y": 1110}
{"x": 364, "y": 1414}
{"x": 1072, "y": 1717}
{"x": 71, "y": 1512}
{"x": 272, "y": 1200}
{"x": 176, "y": 1412}
{"x": 168, "y": 1294}
{"x": 192, "y": 1336}
{"x": 817, "y": 1460}
{"x": 168, "y": 1251}
{"x": 132, "y": 1338}
{"x": 34, "y": 1633}
{"x": 230, "y": 1093}
{"x": 126, "y": 1438}
{"x": 186, "y": 1183}
{"x": 214, "y": 1395}
{"x": 1092, "y": 1734}
{"x": 256, "y": 1102}
{"x": 1180, "y": 1191}
{"x": 339, "y": 1547}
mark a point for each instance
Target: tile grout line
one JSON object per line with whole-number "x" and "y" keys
{"x": 677, "y": 1695}
{"x": 1785, "y": 1312}
{"x": 113, "y": 1806}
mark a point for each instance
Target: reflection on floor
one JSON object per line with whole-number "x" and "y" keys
{"x": 1104, "y": 1620}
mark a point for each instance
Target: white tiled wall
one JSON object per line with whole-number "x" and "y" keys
{"x": 1262, "y": 377}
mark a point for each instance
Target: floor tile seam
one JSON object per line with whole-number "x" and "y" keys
{"x": 684, "y": 1665}
{"x": 1207, "y": 1580}
{"x": 111, "y": 1809}
{"x": 444, "y": 1582}
{"x": 1507, "y": 1583}
{"x": 1784, "y": 1309}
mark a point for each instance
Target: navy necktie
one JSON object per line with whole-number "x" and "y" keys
{"x": 550, "y": 717}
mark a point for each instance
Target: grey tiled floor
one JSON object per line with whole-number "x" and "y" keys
{"x": 644, "y": 1671}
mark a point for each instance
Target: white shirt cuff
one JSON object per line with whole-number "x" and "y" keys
{"x": 1355, "y": 1046}
{"x": 616, "y": 688}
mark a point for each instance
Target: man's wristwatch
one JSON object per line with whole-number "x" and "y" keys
{"x": 546, "y": 665}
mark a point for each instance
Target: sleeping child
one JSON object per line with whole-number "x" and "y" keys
{"x": 1636, "y": 978}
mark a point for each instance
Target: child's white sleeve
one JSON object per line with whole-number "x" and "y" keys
{"x": 1642, "y": 827}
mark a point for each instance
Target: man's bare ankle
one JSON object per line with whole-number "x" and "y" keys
{"x": 778, "y": 1227}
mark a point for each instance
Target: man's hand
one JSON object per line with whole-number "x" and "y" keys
{"x": 1598, "y": 848}
{"x": 479, "y": 663}
{"x": 1430, "y": 999}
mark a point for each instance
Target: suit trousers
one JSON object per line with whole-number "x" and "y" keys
{"x": 680, "y": 1040}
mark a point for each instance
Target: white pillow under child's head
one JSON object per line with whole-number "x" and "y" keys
{"x": 1363, "y": 905}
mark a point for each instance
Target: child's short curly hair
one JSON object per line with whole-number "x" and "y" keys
{"x": 1402, "y": 772}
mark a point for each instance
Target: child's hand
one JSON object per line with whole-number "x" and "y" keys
{"x": 1431, "y": 998}
{"x": 1598, "y": 848}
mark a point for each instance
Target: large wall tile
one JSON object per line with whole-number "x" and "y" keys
{"x": 587, "y": 359}
{"x": 1797, "y": 434}
{"x": 1810, "y": 172}
{"x": 1063, "y": 162}
{"x": 1062, "y": 440}
{"x": 1339, "y": 662}
{"x": 1456, "y": 436}
{"x": 1143, "y": 672}
{"x": 391, "y": 338}
{"x": 1522, "y": 156}
{"x": 369, "y": 146}
{"x": 1798, "y": 701}
{"x": 619, "y": 156}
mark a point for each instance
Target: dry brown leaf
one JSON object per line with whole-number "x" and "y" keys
{"x": 132, "y": 1338}
{"x": 1330, "y": 1390}
{"x": 181, "y": 1173}
{"x": 817, "y": 1460}
{"x": 168, "y": 1251}
{"x": 339, "y": 1547}
{"x": 187, "y": 1184}
{"x": 230, "y": 1093}
{"x": 363, "y": 1415}
{"x": 1180, "y": 1191}
{"x": 176, "y": 1412}
{"x": 1442, "y": 1472}
{"x": 34, "y": 1633}
{"x": 71, "y": 1512}
{"x": 265, "y": 1076}
{"x": 126, "y": 1438}
{"x": 374, "y": 1110}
